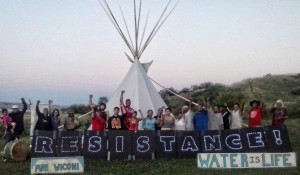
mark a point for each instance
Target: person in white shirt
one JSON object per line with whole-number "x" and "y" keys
{"x": 215, "y": 119}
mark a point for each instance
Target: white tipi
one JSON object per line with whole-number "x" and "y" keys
{"x": 136, "y": 84}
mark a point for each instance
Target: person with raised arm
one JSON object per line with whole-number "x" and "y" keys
{"x": 225, "y": 112}
{"x": 18, "y": 118}
{"x": 200, "y": 119}
{"x": 187, "y": 114}
{"x": 237, "y": 115}
{"x": 44, "y": 120}
{"x": 126, "y": 110}
{"x": 255, "y": 113}
{"x": 98, "y": 116}
{"x": 279, "y": 113}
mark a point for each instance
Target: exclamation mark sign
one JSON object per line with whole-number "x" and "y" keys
{"x": 277, "y": 137}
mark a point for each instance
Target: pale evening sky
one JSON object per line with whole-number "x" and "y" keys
{"x": 66, "y": 50}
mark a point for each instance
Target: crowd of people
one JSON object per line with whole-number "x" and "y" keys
{"x": 124, "y": 117}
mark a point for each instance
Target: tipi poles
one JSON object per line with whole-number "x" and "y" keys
{"x": 173, "y": 92}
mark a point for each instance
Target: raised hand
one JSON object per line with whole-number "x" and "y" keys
{"x": 22, "y": 99}
{"x": 38, "y": 102}
{"x": 90, "y": 96}
{"x": 122, "y": 92}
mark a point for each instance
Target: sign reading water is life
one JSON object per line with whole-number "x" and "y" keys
{"x": 246, "y": 160}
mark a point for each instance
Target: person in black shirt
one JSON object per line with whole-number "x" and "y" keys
{"x": 44, "y": 120}
{"x": 225, "y": 113}
{"x": 158, "y": 117}
{"x": 115, "y": 122}
{"x": 18, "y": 118}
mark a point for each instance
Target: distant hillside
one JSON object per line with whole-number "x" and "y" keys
{"x": 272, "y": 87}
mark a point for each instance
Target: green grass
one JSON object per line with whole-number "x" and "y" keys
{"x": 165, "y": 166}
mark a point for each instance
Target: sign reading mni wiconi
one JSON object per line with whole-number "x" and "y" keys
{"x": 57, "y": 165}
{"x": 165, "y": 144}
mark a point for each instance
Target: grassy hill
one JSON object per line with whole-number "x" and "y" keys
{"x": 272, "y": 87}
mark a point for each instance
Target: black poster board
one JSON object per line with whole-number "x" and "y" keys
{"x": 69, "y": 143}
{"x": 255, "y": 140}
{"x": 188, "y": 144}
{"x": 165, "y": 144}
{"x": 95, "y": 145}
{"x": 211, "y": 141}
{"x": 43, "y": 144}
{"x": 119, "y": 144}
{"x": 143, "y": 145}
{"x": 278, "y": 139}
{"x": 233, "y": 141}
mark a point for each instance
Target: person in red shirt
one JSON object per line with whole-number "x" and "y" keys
{"x": 126, "y": 109}
{"x": 98, "y": 116}
{"x": 255, "y": 113}
{"x": 133, "y": 122}
{"x": 279, "y": 113}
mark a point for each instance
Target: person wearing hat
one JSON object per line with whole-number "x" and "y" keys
{"x": 71, "y": 122}
{"x": 279, "y": 113}
{"x": 255, "y": 113}
{"x": 18, "y": 118}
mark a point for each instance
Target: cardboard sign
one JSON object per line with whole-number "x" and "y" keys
{"x": 166, "y": 144}
{"x": 255, "y": 140}
{"x": 44, "y": 144}
{"x": 95, "y": 145}
{"x": 57, "y": 165}
{"x": 211, "y": 141}
{"x": 143, "y": 145}
{"x": 188, "y": 144}
{"x": 246, "y": 160}
{"x": 119, "y": 144}
{"x": 233, "y": 140}
{"x": 69, "y": 143}
{"x": 278, "y": 139}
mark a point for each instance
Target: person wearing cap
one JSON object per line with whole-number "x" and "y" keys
{"x": 279, "y": 113}
{"x": 18, "y": 118}
{"x": 255, "y": 113}
{"x": 71, "y": 122}
{"x": 44, "y": 120}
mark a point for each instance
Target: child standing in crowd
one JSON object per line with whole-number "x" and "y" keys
{"x": 8, "y": 125}
{"x": 255, "y": 113}
{"x": 279, "y": 113}
{"x": 237, "y": 115}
